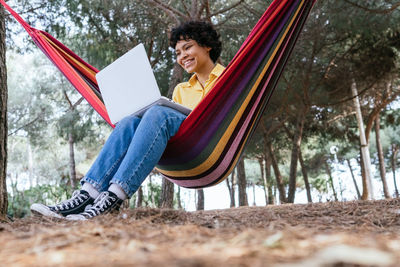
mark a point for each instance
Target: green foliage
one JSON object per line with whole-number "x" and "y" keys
{"x": 152, "y": 196}
{"x": 20, "y": 201}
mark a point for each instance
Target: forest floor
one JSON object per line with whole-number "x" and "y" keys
{"x": 365, "y": 233}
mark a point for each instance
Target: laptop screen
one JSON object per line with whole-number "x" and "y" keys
{"x": 128, "y": 84}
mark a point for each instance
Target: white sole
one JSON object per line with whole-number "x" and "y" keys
{"x": 76, "y": 217}
{"x": 43, "y": 210}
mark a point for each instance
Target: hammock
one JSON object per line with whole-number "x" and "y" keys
{"x": 210, "y": 141}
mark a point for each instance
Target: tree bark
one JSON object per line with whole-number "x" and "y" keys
{"x": 231, "y": 188}
{"x": 254, "y": 194}
{"x": 382, "y": 168}
{"x": 167, "y": 194}
{"x": 271, "y": 196}
{"x": 177, "y": 76}
{"x": 72, "y": 169}
{"x": 278, "y": 176}
{"x": 3, "y": 118}
{"x": 328, "y": 171}
{"x": 395, "y": 150}
{"x": 151, "y": 193}
{"x": 264, "y": 178}
{"x": 30, "y": 165}
{"x": 305, "y": 177}
{"x": 297, "y": 137}
{"x": 139, "y": 197}
{"x": 242, "y": 183}
{"x": 367, "y": 184}
{"x": 354, "y": 179}
{"x": 200, "y": 199}
{"x": 179, "y": 198}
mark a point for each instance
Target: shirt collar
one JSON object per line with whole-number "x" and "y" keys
{"x": 216, "y": 71}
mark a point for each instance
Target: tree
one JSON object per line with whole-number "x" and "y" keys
{"x": 200, "y": 199}
{"x": 242, "y": 184}
{"x": 231, "y": 188}
{"x": 3, "y": 117}
{"x": 382, "y": 169}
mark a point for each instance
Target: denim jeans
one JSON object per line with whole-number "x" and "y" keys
{"x": 133, "y": 149}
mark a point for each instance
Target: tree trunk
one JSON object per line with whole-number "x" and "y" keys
{"x": 151, "y": 193}
{"x": 264, "y": 178}
{"x": 200, "y": 199}
{"x": 295, "y": 156}
{"x": 30, "y": 165}
{"x": 233, "y": 182}
{"x": 305, "y": 177}
{"x": 395, "y": 150}
{"x": 328, "y": 171}
{"x": 254, "y": 195}
{"x": 367, "y": 189}
{"x": 72, "y": 169}
{"x": 231, "y": 188}
{"x": 354, "y": 179}
{"x": 382, "y": 168}
{"x": 242, "y": 184}
{"x": 139, "y": 197}
{"x": 167, "y": 194}
{"x": 177, "y": 76}
{"x": 3, "y": 118}
{"x": 179, "y": 198}
{"x": 278, "y": 176}
{"x": 363, "y": 178}
{"x": 271, "y": 195}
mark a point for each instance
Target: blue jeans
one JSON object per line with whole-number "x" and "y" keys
{"x": 133, "y": 149}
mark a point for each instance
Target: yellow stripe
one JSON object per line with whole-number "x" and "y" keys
{"x": 89, "y": 72}
{"x": 228, "y": 133}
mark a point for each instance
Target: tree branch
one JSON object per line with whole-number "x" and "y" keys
{"x": 78, "y": 102}
{"x": 377, "y": 110}
{"x": 227, "y": 8}
{"x": 69, "y": 101}
{"x": 172, "y": 12}
{"x": 25, "y": 125}
{"x": 341, "y": 116}
{"x": 378, "y": 11}
{"x": 185, "y": 7}
{"x": 34, "y": 8}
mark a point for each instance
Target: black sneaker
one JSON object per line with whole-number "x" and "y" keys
{"x": 105, "y": 203}
{"x": 76, "y": 204}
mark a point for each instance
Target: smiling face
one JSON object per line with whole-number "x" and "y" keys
{"x": 191, "y": 56}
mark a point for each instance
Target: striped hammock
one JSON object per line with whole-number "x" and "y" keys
{"x": 210, "y": 141}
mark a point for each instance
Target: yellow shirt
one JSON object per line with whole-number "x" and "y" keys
{"x": 190, "y": 93}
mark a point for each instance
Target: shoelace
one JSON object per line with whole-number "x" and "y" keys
{"x": 100, "y": 204}
{"x": 76, "y": 199}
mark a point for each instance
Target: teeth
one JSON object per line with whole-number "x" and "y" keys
{"x": 186, "y": 62}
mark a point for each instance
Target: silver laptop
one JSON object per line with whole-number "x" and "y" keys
{"x": 128, "y": 86}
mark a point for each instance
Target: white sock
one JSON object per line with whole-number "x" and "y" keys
{"x": 116, "y": 189}
{"x": 90, "y": 189}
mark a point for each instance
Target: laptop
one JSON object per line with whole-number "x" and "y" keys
{"x": 128, "y": 86}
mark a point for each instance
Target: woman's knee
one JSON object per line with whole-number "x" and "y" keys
{"x": 156, "y": 113}
{"x": 127, "y": 122}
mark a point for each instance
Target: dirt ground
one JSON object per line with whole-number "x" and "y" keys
{"x": 324, "y": 234}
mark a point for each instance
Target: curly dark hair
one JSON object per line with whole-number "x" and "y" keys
{"x": 202, "y": 32}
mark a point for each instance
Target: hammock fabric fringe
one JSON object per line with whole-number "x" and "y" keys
{"x": 210, "y": 141}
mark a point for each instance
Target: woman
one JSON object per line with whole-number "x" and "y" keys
{"x": 136, "y": 144}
